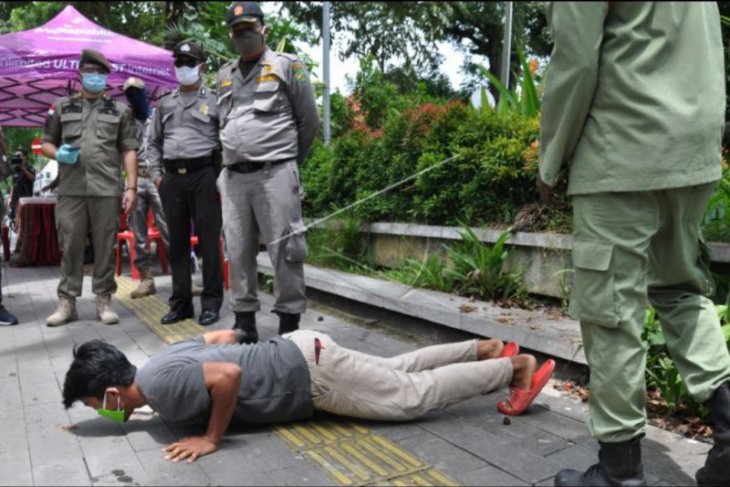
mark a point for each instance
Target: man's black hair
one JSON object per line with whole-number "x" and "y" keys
{"x": 96, "y": 366}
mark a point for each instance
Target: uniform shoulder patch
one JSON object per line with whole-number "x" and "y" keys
{"x": 298, "y": 72}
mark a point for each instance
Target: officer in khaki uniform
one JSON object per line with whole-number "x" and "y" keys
{"x": 90, "y": 135}
{"x": 268, "y": 122}
{"x": 147, "y": 196}
{"x": 183, "y": 139}
{"x": 634, "y": 107}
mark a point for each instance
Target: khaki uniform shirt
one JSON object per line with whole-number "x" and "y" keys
{"x": 104, "y": 129}
{"x": 634, "y": 96}
{"x": 270, "y": 115}
{"x": 184, "y": 126}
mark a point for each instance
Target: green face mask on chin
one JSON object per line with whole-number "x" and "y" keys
{"x": 116, "y": 415}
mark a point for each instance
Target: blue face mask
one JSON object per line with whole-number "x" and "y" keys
{"x": 93, "y": 82}
{"x": 116, "y": 415}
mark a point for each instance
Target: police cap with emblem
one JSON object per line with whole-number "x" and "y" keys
{"x": 187, "y": 48}
{"x": 248, "y": 12}
{"x": 89, "y": 56}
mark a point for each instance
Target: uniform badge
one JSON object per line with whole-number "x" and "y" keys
{"x": 298, "y": 71}
{"x": 204, "y": 109}
{"x": 226, "y": 83}
{"x": 51, "y": 111}
{"x": 266, "y": 77}
{"x": 238, "y": 10}
{"x": 268, "y": 68}
{"x": 185, "y": 48}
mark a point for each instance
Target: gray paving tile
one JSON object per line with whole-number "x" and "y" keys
{"x": 163, "y": 472}
{"x": 488, "y": 476}
{"x": 71, "y": 471}
{"x": 441, "y": 454}
{"x": 15, "y": 466}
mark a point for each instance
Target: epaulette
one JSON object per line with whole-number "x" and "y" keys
{"x": 290, "y": 57}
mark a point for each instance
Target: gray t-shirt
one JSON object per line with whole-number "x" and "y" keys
{"x": 274, "y": 387}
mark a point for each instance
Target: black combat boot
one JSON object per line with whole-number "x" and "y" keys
{"x": 717, "y": 466}
{"x": 246, "y": 326}
{"x": 288, "y": 322}
{"x": 618, "y": 464}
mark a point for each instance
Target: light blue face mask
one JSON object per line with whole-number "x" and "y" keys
{"x": 93, "y": 82}
{"x": 116, "y": 415}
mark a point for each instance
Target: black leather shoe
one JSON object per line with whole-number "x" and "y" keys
{"x": 245, "y": 327}
{"x": 618, "y": 464}
{"x": 175, "y": 315}
{"x": 288, "y": 322}
{"x": 208, "y": 317}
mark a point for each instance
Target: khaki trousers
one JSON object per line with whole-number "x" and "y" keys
{"x": 400, "y": 388}
{"x": 631, "y": 249}
{"x": 75, "y": 216}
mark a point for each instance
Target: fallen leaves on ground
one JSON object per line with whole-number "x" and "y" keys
{"x": 67, "y": 427}
{"x": 467, "y": 308}
{"x": 679, "y": 421}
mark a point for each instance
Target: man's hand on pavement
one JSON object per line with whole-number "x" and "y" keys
{"x": 191, "y": 448}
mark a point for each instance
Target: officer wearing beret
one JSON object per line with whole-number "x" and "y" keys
{"x": 183, "y": 140}
{"x": 147, "y": 196}
{"x": 90, "y": 135}
{"x": 268, "y": 122}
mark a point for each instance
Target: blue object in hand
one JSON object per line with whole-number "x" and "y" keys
{"x": 68, "y": 154}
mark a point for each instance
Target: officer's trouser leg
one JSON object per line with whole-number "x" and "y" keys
{"x": 206, "y": 205}
{"x": 278, "y": 211}
{"x": 678, "y": 283}
{"x": 614, "y": 235}
{"x": 174, "y": 194}
{"x": 242, "y": 239}
{"x": 72, "y": 220}
{"x": 104, "y": 221}
{"x": 157, "y": 212}
{"x": 138, "y": 225}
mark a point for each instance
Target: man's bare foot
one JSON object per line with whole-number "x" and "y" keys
{"x": 491, "y": 348}
{"x": 524, "y": 367}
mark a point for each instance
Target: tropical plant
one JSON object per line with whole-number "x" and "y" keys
{"x": 526, "y": 101}
{"x": 480, "y": 269}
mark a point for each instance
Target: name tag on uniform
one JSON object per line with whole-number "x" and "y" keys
{"x": 266, "y": 77}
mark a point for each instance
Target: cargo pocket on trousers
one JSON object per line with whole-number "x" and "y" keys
{"x": 296, "y": 244}
{"x": 593, "y": 297}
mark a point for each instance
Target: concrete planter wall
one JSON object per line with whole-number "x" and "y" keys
{"x": 544, "y": 257}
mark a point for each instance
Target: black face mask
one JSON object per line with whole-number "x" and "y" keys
{"x": 248, "y": 42}
{"x": 138, "y": 101}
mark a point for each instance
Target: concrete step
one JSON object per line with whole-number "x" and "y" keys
{"x": 551, "y": 334}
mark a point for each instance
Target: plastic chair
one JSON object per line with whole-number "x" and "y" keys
{"x": 127, "y": 236}
{"x": 224, "y": 261}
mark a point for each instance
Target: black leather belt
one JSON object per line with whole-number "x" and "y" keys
{"x": 249, "y": 166}
{"x": 184, "y": 166}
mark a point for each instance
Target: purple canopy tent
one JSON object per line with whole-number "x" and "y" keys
{"x": 41, "y": 64}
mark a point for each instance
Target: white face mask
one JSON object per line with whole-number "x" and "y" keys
{"x": 187, "y": 76}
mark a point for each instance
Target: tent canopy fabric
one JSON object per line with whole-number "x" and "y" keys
{"x": 41, "y": 64}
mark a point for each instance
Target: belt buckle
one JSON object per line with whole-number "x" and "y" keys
{"x": 182, "y": 170}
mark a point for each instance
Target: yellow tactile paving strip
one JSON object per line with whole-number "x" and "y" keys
{"x": 350, "y": 454}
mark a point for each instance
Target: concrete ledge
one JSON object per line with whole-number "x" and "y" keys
{"x": 534, "y": 330}
{"x": 719, "y": 251}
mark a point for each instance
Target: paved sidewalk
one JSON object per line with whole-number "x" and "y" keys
{"x": 469, "y": 444}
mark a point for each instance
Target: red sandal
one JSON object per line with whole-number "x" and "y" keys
{"x": 510, "y": 350}
{"x": 520, "y": 399}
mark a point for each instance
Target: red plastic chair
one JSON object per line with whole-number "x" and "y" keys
{"x": 224, "y": 261}
{"x": 127, "y": 236}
